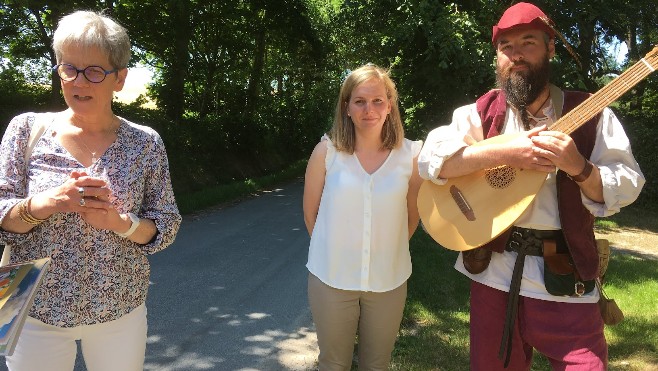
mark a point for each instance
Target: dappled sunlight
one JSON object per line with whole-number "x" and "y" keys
{"x": 436, "y": 322}
{"x": 639, "y": 361}
{"x": 289, "y": 351}
{"x": 257, "y": 351}
{"x": 633, "y": 231}
{"x": 269, "y": 335}
{"x": 181, "y": 360}
{"x": 640, "y": 243}
{"x": 276, "y": 190}
{"x": 262, "y": 338}
{"x": 637, "y": 218}
{"x": 232, "y": 295}
{"x": 188, "y": 361}
{"x": 271, "y": 349}
{"x": 257, "y": 315}
{"x": 237, "y": 320}
{"x": 260, "y": 348}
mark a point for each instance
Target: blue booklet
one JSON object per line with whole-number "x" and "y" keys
{"x": 18, "y": 286}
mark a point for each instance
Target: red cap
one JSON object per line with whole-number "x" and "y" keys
{"x": 522, "y": 14}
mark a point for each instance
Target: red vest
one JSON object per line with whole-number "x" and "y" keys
{"x": 576, "y": 221}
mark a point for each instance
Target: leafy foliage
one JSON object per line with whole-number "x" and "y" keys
{"x": 21, "y": 96}
{"x": 247, "y": 86}
{"x": 640, "y": 125}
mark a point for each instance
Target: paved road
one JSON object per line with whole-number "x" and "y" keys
{"x": 230, "y": 293}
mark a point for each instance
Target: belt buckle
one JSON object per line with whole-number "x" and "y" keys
{"x": 579, "y": 289}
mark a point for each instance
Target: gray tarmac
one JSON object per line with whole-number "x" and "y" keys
{"x": 230, "y": 293}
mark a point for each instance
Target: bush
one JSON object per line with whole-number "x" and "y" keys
{"x": 18, "y": 97}
{"x": 640, "y": 125}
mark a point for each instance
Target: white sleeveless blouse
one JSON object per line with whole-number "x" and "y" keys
{"x": 360, "y": 239}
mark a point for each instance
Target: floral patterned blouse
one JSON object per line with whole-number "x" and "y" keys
{"x": 95, "y": 275}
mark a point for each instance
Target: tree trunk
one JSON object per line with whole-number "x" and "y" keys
{"x": 177, "y": 67}
{"x": 587, "y": 36}
{"x": 631, "y": 43}
{"x": 257, "y": 66}
{"x": 46, "y": 39}
{"x": 635, "y": 101}
{"x": 109, "y": 5}
{"x": 206, "y": 101}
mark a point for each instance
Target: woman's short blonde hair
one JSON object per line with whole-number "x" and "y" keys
{"x": 89, "y": 29}
{"x": 342, "y": 133}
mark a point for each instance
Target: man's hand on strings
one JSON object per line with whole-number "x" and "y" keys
{"x": 559, "y": 149}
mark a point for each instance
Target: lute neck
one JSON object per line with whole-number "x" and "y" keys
{"x": 578, "y": 116}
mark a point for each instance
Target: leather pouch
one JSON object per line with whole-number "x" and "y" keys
{"x": 560, "y": 276}
{"x": 610, "y": 311}
{"x": 476, "y": 260}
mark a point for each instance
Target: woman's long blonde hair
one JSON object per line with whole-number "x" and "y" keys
{"x": 342, "y": 133}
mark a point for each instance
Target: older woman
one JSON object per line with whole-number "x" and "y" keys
{"x": 360, "y": 210}
{"x": 94, "y": 194}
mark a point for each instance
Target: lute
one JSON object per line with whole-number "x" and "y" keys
{"x": 471, "y": 210}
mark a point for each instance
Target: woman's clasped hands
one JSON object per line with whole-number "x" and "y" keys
{"x": 86, "y": 195}
{"x": 94, "y": 205}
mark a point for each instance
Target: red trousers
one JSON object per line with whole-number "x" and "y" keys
{"x": 569, "y": 335}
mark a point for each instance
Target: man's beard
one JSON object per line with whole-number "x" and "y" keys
{"x": 523, "y": 88}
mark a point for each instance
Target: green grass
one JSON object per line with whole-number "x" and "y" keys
{"x": 634, "y": 216}
{"x": 434, "y": 331}
{"x": 206, "y": 198}
{"x": 434, "y": 334}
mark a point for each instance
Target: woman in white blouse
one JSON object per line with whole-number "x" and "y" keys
{"x": 360, "y": 210}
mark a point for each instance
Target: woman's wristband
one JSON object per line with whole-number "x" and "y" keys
{"x": 134, "y": 223}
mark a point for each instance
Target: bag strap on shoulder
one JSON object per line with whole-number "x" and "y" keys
{"x": 39, "y": 127}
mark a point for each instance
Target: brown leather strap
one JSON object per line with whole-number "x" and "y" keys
{"x": 512, "y": 308}
{"x": 523, "y": 248}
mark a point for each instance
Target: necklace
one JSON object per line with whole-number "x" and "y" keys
{"x": 541, "y": 106}
{"x": 93, "y": 153}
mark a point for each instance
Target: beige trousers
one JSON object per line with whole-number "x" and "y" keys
{"x": 337, "y": 315}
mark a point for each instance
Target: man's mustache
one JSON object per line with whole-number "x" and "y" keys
{"x": 508, "y": 70}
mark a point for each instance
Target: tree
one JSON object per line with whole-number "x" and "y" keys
{"x": 28, "y": 27}
{"x": 161, "y": 31}
{"x": 438, "y": 54}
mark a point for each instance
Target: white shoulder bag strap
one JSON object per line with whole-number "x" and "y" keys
{"x": 39, "y": 126}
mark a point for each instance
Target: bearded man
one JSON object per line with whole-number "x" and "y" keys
{"x": 519, "y": 300}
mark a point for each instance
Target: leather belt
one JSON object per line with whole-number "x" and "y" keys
{"x": 524, "y": 242}
{"x": 528, "y": 241}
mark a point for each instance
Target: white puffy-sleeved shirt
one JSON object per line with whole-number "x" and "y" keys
{"x": 360, "y": 240}
{"x": 620, "y": 173}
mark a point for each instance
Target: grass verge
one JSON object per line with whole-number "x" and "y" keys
{"x": 206, "y": 198}
{"x": 634, "y": 217}
{"x": 434, "y": 334}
